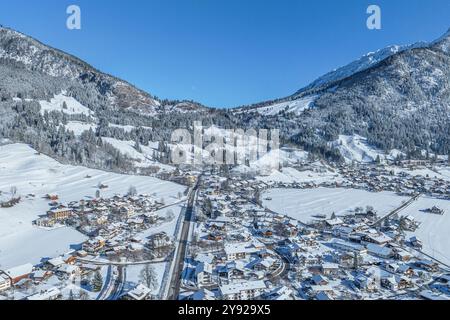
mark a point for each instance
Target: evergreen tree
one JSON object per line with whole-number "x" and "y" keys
{"x": 97, "y": 282}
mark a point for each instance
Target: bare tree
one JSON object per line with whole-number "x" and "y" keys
{"x": 148, "y": 277}
{"x": 132, "y": 191}
{"x": 13, "y": 192}
{"x": 170, "y": 215}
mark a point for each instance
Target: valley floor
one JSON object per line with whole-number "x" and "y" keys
{"x": 304, "y": 204}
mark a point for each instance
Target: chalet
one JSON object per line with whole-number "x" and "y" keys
{"x": 427, "y": 265}
{"x": 346, "y": 260}
{"x": 329, "y": 269}
{"x": 403, "y": 255}
{"x": 416, "y": 243}
{"x": 379, "y": 251}
{"x": 60, "y": 214}
{"x": 242, "y": 291}
{"x": 347, "y": 246}
{"x": 236, "y": 251}
{"x": 369, "y": 284}
{"x": 69, "y": 270}
{"x": 261, "y": 264}
{"x": 44, "y": 222}
{"x": 334, "y": 222}
{"x": 282, "y": 293}
{"x": 159, "y": 240}
{"x": 376, "y": 238}
{"x": 41, "y": 275}
{"x": 342, "y": 232}
{"x": 204, "y": 274}
{"x": 318, "y": 280}
{"x": 55, "y": 262}
{"x": 127, "y": 211}
{"x": 94, "y": 245}
{"x": 19, "y": 273}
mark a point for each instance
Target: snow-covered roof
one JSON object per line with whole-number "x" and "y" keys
{"x": 235, "y": 288}
{"x": 20, "y": 270}
{"x": 45, "y": 295}
{"x": 234, "y": 248}
{"x": 379, "y": 250}
{"x": 140, "y": 292}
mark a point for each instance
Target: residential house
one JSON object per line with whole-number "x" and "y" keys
{"x": 19, "y": 273}
{"x": 248, "y": 290}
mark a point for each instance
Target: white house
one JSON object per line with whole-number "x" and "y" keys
{"x": 204, "y": 274}
{"x": 235, "y": 251}
{"x": 243, "y": 290}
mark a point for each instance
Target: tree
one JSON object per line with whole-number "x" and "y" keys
{"x": 148, "y": 277}
{"x": 71, "y": 297}
{"x": 97, "y": 194}
{"x": 137, "y": 146}
{"x": 170, "y": 215}
{"x": 13, "y": 191}
{"x": 132, "y": 191}
{"x": 64, "y": 105}
{"x": 83, "y": 295}
{"x": 97, "y": 282}
{"x": 333, "y": 216}
{"x": 378, "y": 160}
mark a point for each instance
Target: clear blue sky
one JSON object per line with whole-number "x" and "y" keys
{"x": 224, "y": 53}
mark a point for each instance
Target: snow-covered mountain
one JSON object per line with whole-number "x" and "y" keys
{"x": 397, "y": 98}
{"x": 30, "y": 54}
{"x": 365, "y": 62}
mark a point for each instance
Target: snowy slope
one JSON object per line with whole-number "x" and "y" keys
{"x": 144, "y": 158}
{"x": 57, "y": 102}
{"x": 295, "y": 106}
{"x": 78, "y": 127}
{"x": 356, "y": 148}
{"x": 363, "y": 63}
{"x": 20, "y": 166}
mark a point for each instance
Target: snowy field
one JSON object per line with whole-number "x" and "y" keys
{"x": 20, "y": 166}
{"x": 434, "y": 229}
{"x": 303, "y": 204}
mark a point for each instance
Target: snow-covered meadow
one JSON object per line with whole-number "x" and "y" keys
{"x": 304, "y": 204}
